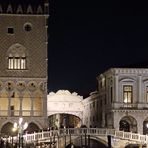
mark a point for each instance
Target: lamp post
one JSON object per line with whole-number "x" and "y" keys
{"x": 20, "y": 126}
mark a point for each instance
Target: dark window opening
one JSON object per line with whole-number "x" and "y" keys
{"x": 11, "y": 30}
{"x": 28, "y": 27}
{"x": 12, "y": 110}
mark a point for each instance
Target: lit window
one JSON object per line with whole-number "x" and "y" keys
{"x": 127, "y": 94}
{"x": 16, "y": 55}
{"x": 17, "y": 63}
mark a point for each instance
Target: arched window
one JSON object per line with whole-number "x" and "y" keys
{"x": 17, "y": 57}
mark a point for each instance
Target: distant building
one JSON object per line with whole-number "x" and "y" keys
{"x": 91, "y": 110}
{"x": 123, "y": 99}
{"x": 23, "y": 65}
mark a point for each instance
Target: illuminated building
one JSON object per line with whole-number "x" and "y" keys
{"x": 123, "y": 99}
{"x": 23, "y": 65}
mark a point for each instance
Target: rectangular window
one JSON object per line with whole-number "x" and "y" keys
{"x": 127, "y": 94}
{"x": 12, "y": 110}
{"x": 16, "y": 63}
{"x": 11, "y": 30}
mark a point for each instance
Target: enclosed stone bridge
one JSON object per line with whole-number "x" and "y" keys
{"x": 83, "y": 137}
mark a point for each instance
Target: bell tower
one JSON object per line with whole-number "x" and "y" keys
{"x": 23, "y": 62}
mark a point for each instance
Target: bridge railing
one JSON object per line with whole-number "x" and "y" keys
{"x": 82, "y": 131}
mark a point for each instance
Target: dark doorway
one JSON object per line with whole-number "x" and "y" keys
{"x": 124, "y": 126}
{"x": 32, "y": 127}
{"x": 145, "y": 127}
{"x": 7, "y": 130}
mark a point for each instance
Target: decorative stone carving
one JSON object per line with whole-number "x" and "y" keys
{"x": 9, "y": 85}
{"x": 65, "y": 93}
{"x": 21, "y": 85}
{"x": 41, "y": 86}
{"x": 32, "y": 86}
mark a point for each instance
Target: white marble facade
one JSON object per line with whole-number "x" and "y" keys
{"x": 123, "y": 99}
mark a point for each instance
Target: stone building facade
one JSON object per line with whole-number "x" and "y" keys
{"x": 123, "y": 99}
{"x": 91, "y": 109}
{"x": 23, "y": 64}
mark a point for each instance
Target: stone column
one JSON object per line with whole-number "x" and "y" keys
{"x": 103, "y": 119}
{"x": 44, "y": 105}
{"x": 32, "y": 101}
{"x": 9, "y": 104}
{"x": 140, "y": 127}
{"x": 116, "y": 120}
{"x": 58, "y": 120}
{"x": 21, "y": 100}
{"x": 139, "y": 95}
{"x": 115, "y": 88}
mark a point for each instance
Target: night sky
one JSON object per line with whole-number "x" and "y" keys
{"x": 88, "y": 37}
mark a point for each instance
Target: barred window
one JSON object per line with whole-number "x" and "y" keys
{"x": 16, "y": 56}
{"x": 17, "y": 63}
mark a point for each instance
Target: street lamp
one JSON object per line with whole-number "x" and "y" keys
{"x": 20, "y": 126}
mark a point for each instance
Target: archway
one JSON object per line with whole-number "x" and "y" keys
{"x": 128, "y": 124}
{"x": 6, "y": 130}
{"x": 145, "y": 126}
{"x": 85, "y": 142}
{"x": 32, "y": 127}
{"x": 124, "y": 126}
{"x": 64, "y": 121}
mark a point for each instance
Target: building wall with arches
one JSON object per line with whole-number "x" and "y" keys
{"x": 23, "y": 63}
{"x": 123, "y": 95}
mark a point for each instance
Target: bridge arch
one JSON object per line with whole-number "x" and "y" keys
{"x": 78, "y": 114}
{"x": 128, "y": 124}
{"x": 36, "y": 123}
{"x": 82, "y": 141}
{"x": 145, "y": 126}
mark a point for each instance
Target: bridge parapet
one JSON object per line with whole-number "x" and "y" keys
{"x": 95, "y": 132}
{"x": 89, "y": 131}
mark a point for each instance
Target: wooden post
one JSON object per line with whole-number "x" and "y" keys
{"x": 88, "y": 141}
{"x": 109, "y": 141}
{"x": 70, "y": 138}
{"x": 85, "y": 140}
{"x": 65, "y": 140}
{"x": 81, "y": 140}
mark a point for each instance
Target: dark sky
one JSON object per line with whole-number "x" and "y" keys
{"x": 88, "y": 37}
